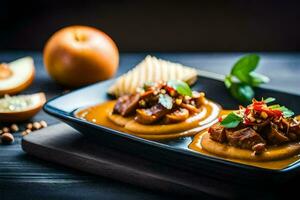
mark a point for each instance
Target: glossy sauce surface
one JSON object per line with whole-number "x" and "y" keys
{"x": 276, "y": 164}
{"x": 98, "y": 114}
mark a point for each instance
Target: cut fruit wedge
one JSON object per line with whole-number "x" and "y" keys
{"x": 16, "y": 76}
{"x": 21, "y": 107}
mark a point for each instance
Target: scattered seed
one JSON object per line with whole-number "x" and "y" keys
{"x": 36, "y": 125}
{"x": 29, "y": 126}
{"x": 24, "y": 133}
{"x": 43, "y": 124}
{"x": 28, "y": 131}
{"x": 264, "y": 115}
{"x": 7, "y": 138}
{"x": 178, "y": 101}
{"x": 5, "y": 129}
{"x": 14, "y": 128}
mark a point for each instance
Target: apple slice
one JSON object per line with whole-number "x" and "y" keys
{"x": 16, "y": 76}
{"x": 21, "y": 107}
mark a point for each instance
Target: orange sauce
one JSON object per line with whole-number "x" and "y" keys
{"x": 98, "y": 114}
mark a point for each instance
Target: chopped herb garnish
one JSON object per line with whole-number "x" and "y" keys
{"x": 181, "y": 87}
{"x": 166, "y": 101}
{"x": 273, "y": 107}
{"x": 232, "y": 120}
{"x": 286, "y": 112}
{"x": 269, "y": 100}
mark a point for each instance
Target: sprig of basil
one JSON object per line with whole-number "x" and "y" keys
{"x": 166, "y": 101}
{"x": 269, "y": 100}
{"x": 243, "y": 72}
{"x": 285, "y": 111}
{"x": 181, "y": 87}
{"x": 242, "y": 68}
{"x": 232, "y": 120}
{"x": 242, "y": 92}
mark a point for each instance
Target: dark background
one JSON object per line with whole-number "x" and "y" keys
{"x": 233, "y": 25}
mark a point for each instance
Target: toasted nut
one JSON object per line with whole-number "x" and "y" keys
{"x": 14, "y": 128}
{"x": 28, "y": 131}
{"x": 7, "y": 138}
{"x": 172, "y": 93}
{"x": 187, "y": 98}
{"x": 37, "y": 126}
{"x": 252, "y": 119}
{"x": 264, "y": 115}
{"x": 178, "y": 101}
{"x": 43, "y": 123}
{"x": 29, "y": 126}
{"x": 142, "y": 103}
{"x": 24, "y": 133}
{"x": 5, "y": 129}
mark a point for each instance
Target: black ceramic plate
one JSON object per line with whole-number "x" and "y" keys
{"x": 174, "y": 153}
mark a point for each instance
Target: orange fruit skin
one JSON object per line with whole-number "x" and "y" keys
{"x": 80, "y": 55}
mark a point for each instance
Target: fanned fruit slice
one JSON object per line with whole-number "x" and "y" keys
{"x": 16, "y": 76}
{"x": 21, "y": 107}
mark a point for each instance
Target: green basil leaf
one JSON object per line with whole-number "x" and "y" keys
{"x": 231, "y": 120}
{"x": 166, "y": 101}
{"x": 227, "y": 81}
{"x": 257, "y": 79}
{"x": 274, "y": 107}
{"x": 242, "y": 92}
{"x": 269, "y": 100}
{"x": 286, "y": 112}
{"x": 181, "y": 87}
{"x": 244, "y": 66}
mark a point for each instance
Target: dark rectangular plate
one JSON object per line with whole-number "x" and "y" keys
{"x": 174, "y": 153}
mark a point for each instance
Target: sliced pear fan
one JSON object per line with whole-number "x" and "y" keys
{"x": 21, "y": 107}
{"x": 19, "y": 74}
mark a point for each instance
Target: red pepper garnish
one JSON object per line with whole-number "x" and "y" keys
{"x": 276, "y": 113}
{"x": 247, "y": 111}
{"x": 169, "y": 89}
{"x": 220, "y": 119}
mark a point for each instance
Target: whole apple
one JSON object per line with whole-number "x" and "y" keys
{"x": 80, "y": 55}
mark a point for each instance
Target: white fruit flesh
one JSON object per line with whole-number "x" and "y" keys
{"x": 22, "y": 71}
{"x": 21, "y": 103}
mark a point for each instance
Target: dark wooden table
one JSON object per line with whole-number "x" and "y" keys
{"x": 23, "y": 176}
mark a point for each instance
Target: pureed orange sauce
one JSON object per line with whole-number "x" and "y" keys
{"x": 98, "y": 114}
{"x": 275, "y": 164}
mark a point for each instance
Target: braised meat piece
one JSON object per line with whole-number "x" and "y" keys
{"x": 245, "y": 138}
{"x": 217, "y": 133}
{"x": 161, "y": 102}
{"x": 151, "y": 115}
{"x": 176, "y": 116}
{"x": 257, "y": 126}
{"x": 126, "y": 104}
{"x": 295, "y": 128}
{"x": 275, "y": 136}
{"x": 259, "y": 148}
{"x": 149, "y": 98}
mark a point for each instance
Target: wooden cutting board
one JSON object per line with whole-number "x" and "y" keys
{"x": 62, "y": 144}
